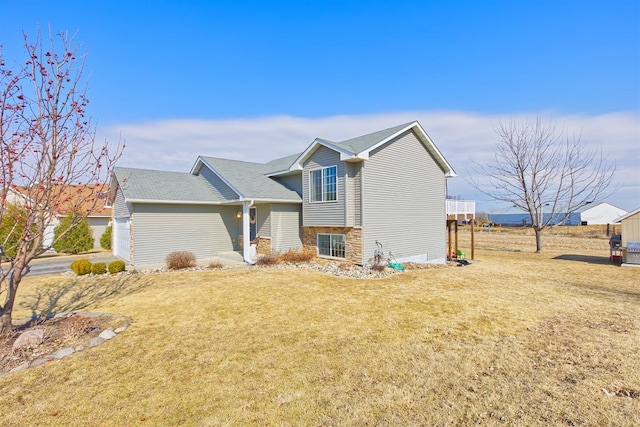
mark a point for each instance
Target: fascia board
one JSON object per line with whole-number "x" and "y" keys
{"x": 173, "y": 202}
{"x": 239, "y": 202}
{"x": 426, "y": 140}
{"x": 297, "y": 164}
{"x": 628, "y": 215}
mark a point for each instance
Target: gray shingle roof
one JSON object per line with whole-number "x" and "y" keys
{"x": 154, "y": 185}
{"x": 282, "y": 163}
{"x": 250, "y": 178}
{"x": 364, "y": 142}
{"x": 247, "y": 178}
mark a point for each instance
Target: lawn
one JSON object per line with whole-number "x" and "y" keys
{"x": 516, "y": 338}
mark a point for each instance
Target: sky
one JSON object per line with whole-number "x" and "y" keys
{"x": 257, "y": 80}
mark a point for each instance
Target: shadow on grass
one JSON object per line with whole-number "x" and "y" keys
{"x": 81, "y": 293}
{"x": 609, "y": 292}
{"x": 585, "y": 258}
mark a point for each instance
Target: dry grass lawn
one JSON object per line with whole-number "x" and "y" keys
{"x": 516, "y": 338}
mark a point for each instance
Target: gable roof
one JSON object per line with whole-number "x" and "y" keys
{"x": 359, "y": 148}
{"x": 254, "y": 181}
{"x": 154, "y": 186}
{"x": 250, "y": 179}
{"x": 282, "y": 164}
{"x": 629, "y": 215}
{"x": 601, "y": 206}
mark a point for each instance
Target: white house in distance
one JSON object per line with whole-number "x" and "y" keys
{"x": 603, "y": 213}
{"x": 600, "y": 214}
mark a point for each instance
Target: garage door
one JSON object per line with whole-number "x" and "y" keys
{"x": 121, "y": 238}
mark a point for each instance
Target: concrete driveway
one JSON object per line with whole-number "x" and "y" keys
{"x": 58, "y": 263}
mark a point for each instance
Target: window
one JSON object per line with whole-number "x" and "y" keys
{"x": 332, "y": 245}
{"x": 323, "y": 184}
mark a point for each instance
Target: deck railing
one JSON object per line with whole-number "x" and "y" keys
{"x": 463, "y": 208}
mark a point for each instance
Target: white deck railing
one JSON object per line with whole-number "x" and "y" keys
{"x": 461, "y": 207}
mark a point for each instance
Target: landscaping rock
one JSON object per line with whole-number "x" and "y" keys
{"x": 122, "y": 328}
{"x": 107, "y": 334}
{"x": 90, "y": 315}
{"x": 63, "y": 352}
{"x": 20, "y": 367}
{"x": 30, "y": 338}
{"x": 41, "y": 361}
{"x": 92, "y": 342}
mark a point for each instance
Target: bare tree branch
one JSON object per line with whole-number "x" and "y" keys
{"x": 47, "y": 148}
{"x": 544, "y": 172}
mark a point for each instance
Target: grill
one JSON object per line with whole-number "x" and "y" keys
{"x": 615, "y": 249}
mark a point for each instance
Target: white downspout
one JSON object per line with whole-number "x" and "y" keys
{"x": 246, "y": 231}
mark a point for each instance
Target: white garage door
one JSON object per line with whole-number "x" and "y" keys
{"x": 121, "y": 238}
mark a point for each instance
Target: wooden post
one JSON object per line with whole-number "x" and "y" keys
{"x": 473, "y": 241}
{"x": 449, "y": 239}
{"x": 456, "y": 234}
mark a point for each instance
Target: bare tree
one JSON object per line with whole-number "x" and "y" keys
{"x": 544, "y": 172}
{"x": 47, "y": 146}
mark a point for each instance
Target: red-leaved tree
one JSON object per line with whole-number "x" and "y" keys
{"x": 48, "y": 153}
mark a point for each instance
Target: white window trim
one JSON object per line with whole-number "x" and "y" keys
{"x": 311, "y": 183}
{"x": 331, "y": 256}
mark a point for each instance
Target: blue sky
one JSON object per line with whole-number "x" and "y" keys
{"x": 255, "y": 80}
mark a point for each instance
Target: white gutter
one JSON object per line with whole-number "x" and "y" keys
{"x": 172, "y": 202}
{"x": 246, "y": 231}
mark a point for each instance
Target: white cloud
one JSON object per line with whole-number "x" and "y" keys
{"x": 462, "y": 137}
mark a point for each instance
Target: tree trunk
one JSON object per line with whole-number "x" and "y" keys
{"x": 538, "y": 239}
{"x": 14, "y": 279}
{"x": 5, "y": 324}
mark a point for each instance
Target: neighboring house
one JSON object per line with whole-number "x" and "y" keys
{"x": 338, "y": 198}
{"x": 88, "y": 200}
{"x": 603, "y": 213}
{"x": 85, "y": 199}
{"x": 630, "y": 231}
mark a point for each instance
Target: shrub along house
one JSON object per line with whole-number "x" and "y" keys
{"x": 338, "y": 198}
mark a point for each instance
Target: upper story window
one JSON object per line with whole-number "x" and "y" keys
{"x": 323, "y": 184}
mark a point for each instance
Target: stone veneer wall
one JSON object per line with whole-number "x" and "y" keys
{"x": 264, "y": 246}
{"x": 353, "y": 237}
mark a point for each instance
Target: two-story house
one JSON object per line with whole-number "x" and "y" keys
{"x": 339, "y": 198}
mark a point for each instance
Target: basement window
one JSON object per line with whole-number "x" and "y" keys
{"x": 332, "y": 245}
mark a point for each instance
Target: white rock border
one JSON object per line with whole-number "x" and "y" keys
{"x": 61, "y": 353}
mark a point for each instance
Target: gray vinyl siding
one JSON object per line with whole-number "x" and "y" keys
{"x": 354, "y": 200}
{"x": 220, "y": 189}
{"x": 293, "y": 182}
{"x": 285, "y": 226}
{"x": 264, "y": 220}
{"x": 157, "y": 230}
{"x": 120, "y": 207}
{"x": 324, "y": 213}
{"x": 404, "y": 201}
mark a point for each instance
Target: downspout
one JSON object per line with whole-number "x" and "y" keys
{"x": 246, "y": 231}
